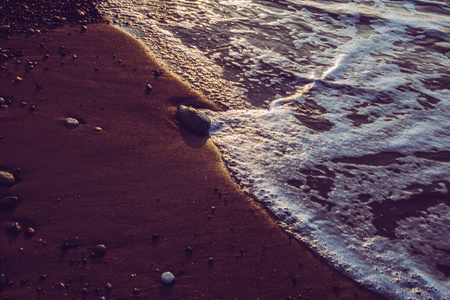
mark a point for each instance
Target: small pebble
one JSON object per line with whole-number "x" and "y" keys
{"x": 71, "y": 122}
{"x": 14, "y": 228}
{"x": 2, "y": 101}
{"x": 98, "y": 129}
{"x": 9, "y": 202}
{"x": 157, "y": 73}
{"x": 148, "y": 87}
{"x": 167, "y": 278}
{"x": 29, "y": 232}
{"x": 6, "y": 178}
{"x": 108, "y": 286}
{"x": 100, "y": 250}
{"x": 18, "y": 79}
{"x": 83, "y": 28}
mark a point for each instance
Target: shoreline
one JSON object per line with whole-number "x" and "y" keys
{"x": 158, "y": 197}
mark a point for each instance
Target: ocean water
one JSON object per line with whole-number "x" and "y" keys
{"x": 338, "y": 121}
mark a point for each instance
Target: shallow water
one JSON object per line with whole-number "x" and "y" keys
{"x": 338, "y": 121}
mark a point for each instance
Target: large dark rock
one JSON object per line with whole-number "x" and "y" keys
{"x": 194, "y": 120}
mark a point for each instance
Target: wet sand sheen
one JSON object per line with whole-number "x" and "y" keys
{"x": 158, "y": 197}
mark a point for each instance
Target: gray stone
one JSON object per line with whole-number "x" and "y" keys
{"x": 9, "y": 202}
{"x": 194, "y": 120}
{"x": 167, "y": 278}
{"x": 6, "y": 178}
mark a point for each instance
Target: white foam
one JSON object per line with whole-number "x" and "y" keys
{"x": 385, "y": 71}
{"x": 255, "y": 143}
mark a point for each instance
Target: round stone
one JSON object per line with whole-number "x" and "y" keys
{"x": 71, "y": 122}
{"x": 167, "y": 278}
{"x": 9, "y": 202}
{"x": 100, "y": 249}
{"x": 6, "y": 178}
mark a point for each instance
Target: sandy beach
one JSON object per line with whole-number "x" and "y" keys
{"x": 131, "y": 178}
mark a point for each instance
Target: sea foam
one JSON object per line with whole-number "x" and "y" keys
{"x": 339, "y": 121}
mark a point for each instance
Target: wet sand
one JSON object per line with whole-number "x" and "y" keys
{"x": 158, "y": 197}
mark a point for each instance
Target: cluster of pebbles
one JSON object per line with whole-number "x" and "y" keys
{"x": 7, "y": 179}
{"x": 32, "y": 17}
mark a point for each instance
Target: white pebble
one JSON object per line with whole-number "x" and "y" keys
{"x": 71, "y": 122}
{"x": 167, "y": 278}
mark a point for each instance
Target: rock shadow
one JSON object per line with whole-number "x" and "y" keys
{"x": 191, "y": 139}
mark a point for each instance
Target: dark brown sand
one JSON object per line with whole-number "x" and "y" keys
{"x": 158, "y": 197}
